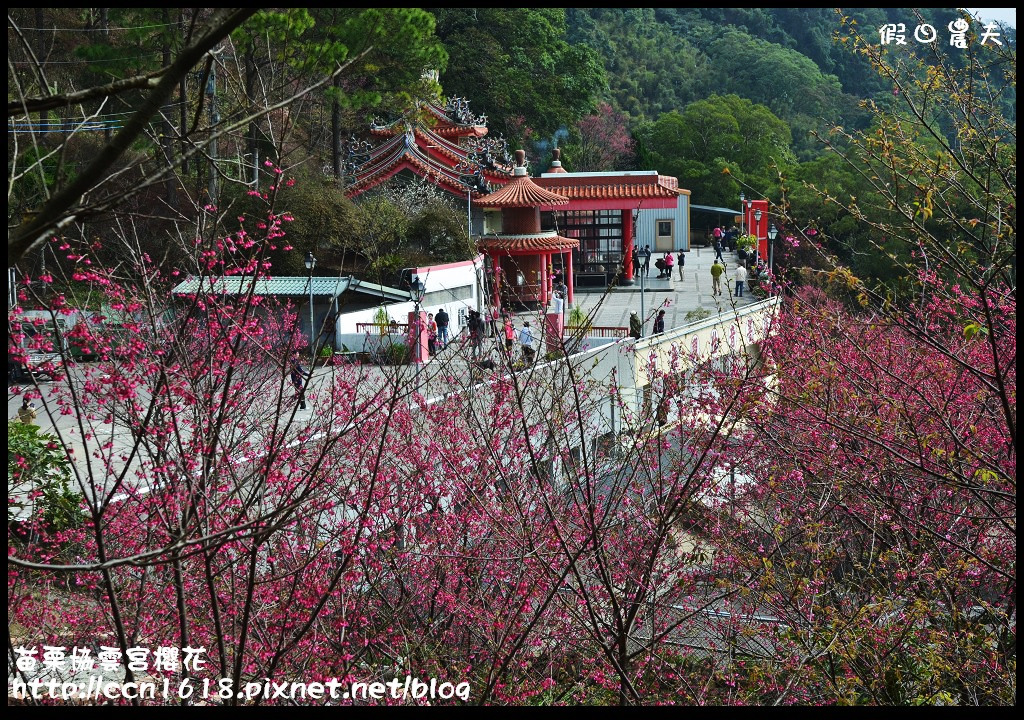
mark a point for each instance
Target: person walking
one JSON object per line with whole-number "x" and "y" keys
{"x": 27, "y": 412}
{"x": 659, "y": 322}
{"x": 636, "y": 328}
{"x": 476, "y": 332}
{"x": 645, "y": 255}
{"x": 510, "y": 334}
{"x": 442, "y": 328}
{"x": 740, "y": 276}
{"x": 681, "y": 262}
{"x": 717, "y": 269}
{"x": 561, "y": 292}
{"x": 526, "y": 340}
{"x": 299, "y": 375}
{"x": 718, "y": 248}
{"x": 636, "y": 261}
{"x": 431, "y": 334}
{"x": 731, "y": 235}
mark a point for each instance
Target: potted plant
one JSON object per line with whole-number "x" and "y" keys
{"x": 744, "y": 245}
{"x": 382, "y": 320}
{"x": 326, "y": 354}
{"x": 578, "y": 323}
{"x": 395, "y": 354}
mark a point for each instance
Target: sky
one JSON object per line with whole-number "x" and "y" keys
{"x": 1005, "y": 15}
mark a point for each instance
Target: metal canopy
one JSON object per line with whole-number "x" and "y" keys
{"x": 709, "y": 208}
{"x": 329, "y": 286}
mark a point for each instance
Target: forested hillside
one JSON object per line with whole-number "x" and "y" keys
{"x": 726, "y": 99}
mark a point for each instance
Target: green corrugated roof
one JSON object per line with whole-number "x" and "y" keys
{"x": 329, "y": 286}
{"x": 709, "y": 208}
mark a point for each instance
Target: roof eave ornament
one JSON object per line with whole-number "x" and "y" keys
{"x": 457, "y": 109}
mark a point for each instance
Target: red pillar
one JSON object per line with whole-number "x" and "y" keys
{"x": 755, "y": 228}
{"x": 544, "y": 279}
{"x": 569, "y": 280}
{"x": 627, "y": 247}
{"x": 419, "y": 339}
{"x": 553, "y": 330}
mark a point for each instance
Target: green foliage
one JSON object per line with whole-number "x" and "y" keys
{"x": 716, "y": 144}
{"x": 441, "y": 233}
{"x": 313, "y": 42}
{"x": 36, "y": 464}
{"x": 651, "y": 70}
{"x": 516, "y": 66}
{"x": 784, "y": 80}
{"x": 395, "y": 353}
{"x": 578, "y": 321}
{"x": 382, "y": 320}
{"x": 746, "y": 242}
{"x": 697, "y": 314}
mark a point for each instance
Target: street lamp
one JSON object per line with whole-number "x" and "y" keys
{"x": 757, "y": 234}
{"x": 643, "y": 278}
{"x": 742, "y": 198}
{"x": 416, "y": 290}
{"x": 772, "y": 233}
{"x": 310, "y": 264}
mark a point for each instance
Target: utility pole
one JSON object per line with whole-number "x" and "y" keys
{"x": 211, "y": 92}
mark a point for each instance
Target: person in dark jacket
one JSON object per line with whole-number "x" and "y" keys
{"x": 442, "y": 328}
{"x": 659, "y": 322}
{"x": 299, "y": 375}
{"x": 476, "y": 332}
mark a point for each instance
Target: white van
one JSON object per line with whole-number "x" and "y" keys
{"x": 47, "y": 356}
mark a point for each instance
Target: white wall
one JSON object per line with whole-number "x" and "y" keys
{"x": 438, "y": 279}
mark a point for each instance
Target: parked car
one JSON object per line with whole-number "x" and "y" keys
{"x": 37, "y": 346}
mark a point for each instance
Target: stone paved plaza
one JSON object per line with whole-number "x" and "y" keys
{"x": 677, "y": 297}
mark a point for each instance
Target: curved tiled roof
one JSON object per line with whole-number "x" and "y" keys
{"x": 528, "y": 243}
{"x": 522, "y": 192}
{"x": 612, "y": 187}
{"x": 429, "y": 139}
{"x": 400, "y": 153}
{"x": 447, "y": 123}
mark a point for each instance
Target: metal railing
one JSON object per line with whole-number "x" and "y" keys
{"x": 382, "y": 329}
{"x": 608, "y": 331}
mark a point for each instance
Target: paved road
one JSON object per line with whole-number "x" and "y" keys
{"x": 677, "y": 297}
{"x": 451, "y": 370}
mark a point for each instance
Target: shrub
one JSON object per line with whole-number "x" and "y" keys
{"x": 382, "y": 320}
{"x": 746, "y": 243}
{"x": 395, "y": 354}
{"x": 37, "y": 468}
{"x": 578, "y": 323}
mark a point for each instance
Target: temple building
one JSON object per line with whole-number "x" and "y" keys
{"x": 521, "y": 255}
{"x": 582, "y": 227}
{"x": 610, "y": 213}
{"x": 455, "y": 154}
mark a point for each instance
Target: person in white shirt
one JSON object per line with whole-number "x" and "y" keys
{"x": 526, "y": 340}
{"x": 740, "y": 276}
